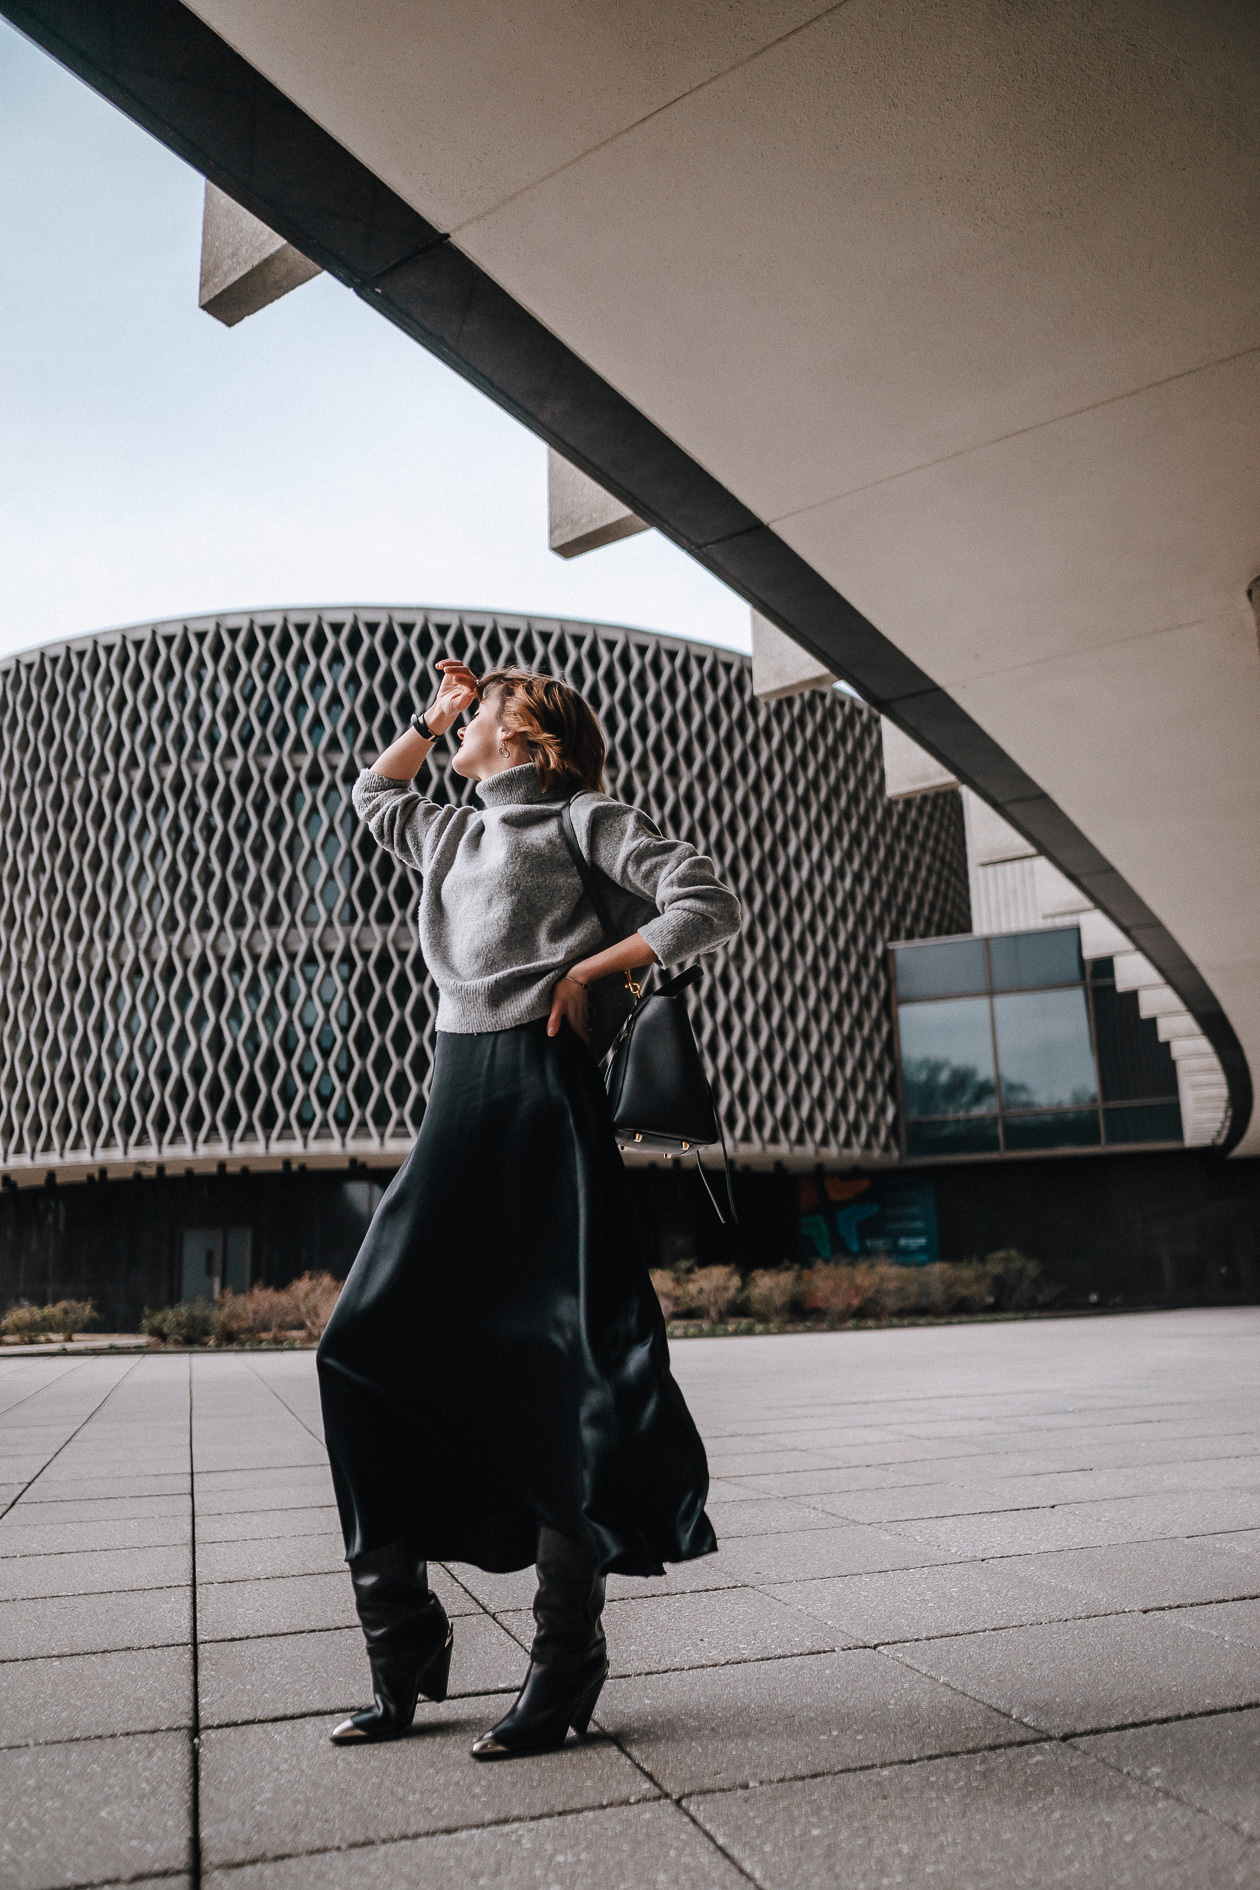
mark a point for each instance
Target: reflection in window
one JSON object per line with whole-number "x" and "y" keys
{"x": 1065, "y": 1128}
{"x": 947, "y": 1058}
{"x": 953, "y": 968}
{"x": 1044, "y": 1053}
{"x": 1024, "y": 961}
{"x": 1077, "y": 1066}
{"x": 975, "y": 1135}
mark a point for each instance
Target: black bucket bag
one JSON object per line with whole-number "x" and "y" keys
{"x": 660, "y": 1097}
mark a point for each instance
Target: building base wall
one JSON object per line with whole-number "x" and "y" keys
{"x": 1170, "y": 1228}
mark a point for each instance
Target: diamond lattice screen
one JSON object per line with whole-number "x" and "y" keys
{"x": 203, "y": 955}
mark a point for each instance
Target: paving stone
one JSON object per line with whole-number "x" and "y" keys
{"x": 718, "y": 1727}
{"x": 87, "y": 1624}
{"x": 108, "y": 1571}
{"x": 1229, "y": 1620}
{"x": 636, "y": 1847}
{"x": 1087, "y": 1525}
{"x": 699, "y": 1630}
{"x": 680, "y": 1578}
{"x": 1212, "y": 1764}
{"x": 281, "y": 1555}
{"x": 494, "y": 1591}
{"x": 914, "y": 1503}
{"x": 268, "y": 1790}
{"x": 919, "y": 1603}
{"x": 1016, "y": 1820}
{"x": 1153, "y": 1574}
{"x": 748, "y": 1463}
{"x": 33, "y": 1509}
{"x": 327, "y": 1671}
{"x": 302, "y": 1477}
{"x": 18, "y": 1537}
{"x": 296, "y": 1604}
{"x": 258, "y": 1525}
{"x": 1085, "y": 1676}
{"x": 271, "y": 1498}
{"x": 849, "y": 1549}
{"x": 94, "y": 1810}
{"x": 764, "y": 1516}
{"x": 89, "y": 1696}
{"x": 91, "y": 1489}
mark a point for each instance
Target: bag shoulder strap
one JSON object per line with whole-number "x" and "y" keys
{"x": 586, "y": 875}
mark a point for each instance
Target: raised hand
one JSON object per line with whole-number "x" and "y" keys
{"x": 458, "y": 689}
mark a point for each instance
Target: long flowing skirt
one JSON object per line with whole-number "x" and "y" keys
{"x": 498, "y": 1359}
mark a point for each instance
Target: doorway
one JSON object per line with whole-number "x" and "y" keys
{"x": 212, "y": 1258}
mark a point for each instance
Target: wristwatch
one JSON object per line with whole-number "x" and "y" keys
{"x": 422, "y": 728}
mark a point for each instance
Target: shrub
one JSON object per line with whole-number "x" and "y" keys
{"x": 72, "y": 1316}
{"x": 313, "y": 1298}
{"x": 673, "y": 1291}
{"x": 715, "y": 1290}
{"x": 260, "y": 1313}
{"x": 180, "y": 1325}
{"x": 32, "y": 1323}
{"x": 839, "y": 1291}
{"x": 29, "y": 1323}
{"x": 771, "y": 1292}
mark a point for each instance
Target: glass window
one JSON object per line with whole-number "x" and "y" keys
{"x": 947, "y": 1058}
{"x": 1067, "y": 1128}
{"x": 1023, "y": 960}
{"x": 952, "y": 968}
{"x": 1156, "y": 1122}
{"x": 975, "y": 1135}
{"x": 1044, "y": 1053}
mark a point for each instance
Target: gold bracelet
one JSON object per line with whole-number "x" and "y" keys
{"x": 566, "y": 979}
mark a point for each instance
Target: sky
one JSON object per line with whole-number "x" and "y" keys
{"x": 156, "y": 464}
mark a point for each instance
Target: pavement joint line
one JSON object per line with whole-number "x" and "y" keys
{"x": 284, "y": 1403}
{"x": 32, "y": 1481}
{"x": 411, "y": 1837}
{"x": 37, "y": 1390}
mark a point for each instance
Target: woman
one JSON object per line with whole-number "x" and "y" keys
{"x": 495, "y": 1379}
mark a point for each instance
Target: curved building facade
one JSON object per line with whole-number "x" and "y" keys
{"x": 210, "y": 972}
{"x": 206, "y": 959}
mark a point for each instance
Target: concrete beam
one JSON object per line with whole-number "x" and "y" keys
{"x": 908, "y": 769}
{"x": 581, "y": 515}
{"x": 244, "y": 265}
{"x": 780, "y": 667}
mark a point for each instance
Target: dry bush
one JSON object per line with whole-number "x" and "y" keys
{"x": 715, "y": 1290}
{"x": 185, "y": 1324}
{"x": 28, "y": 1323}
{"x": 673, "y": 1292}
{"x": 1018, "y": 1283}
{"x": 264, "y": 1312}
{"x": 33, "y": 1323}
{"x": 71, "y": 1316}
{"x": 840, "y": 1291}
{"x": 312, "y": 1299}
{"x": 771, "y": 1291}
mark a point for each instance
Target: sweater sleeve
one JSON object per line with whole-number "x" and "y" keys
{"x": 697, "y": 913}
{"x": 399, "y": 819}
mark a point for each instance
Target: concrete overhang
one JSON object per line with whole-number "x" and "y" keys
{"x": 932, "y": 331}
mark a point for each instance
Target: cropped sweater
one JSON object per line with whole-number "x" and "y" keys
{"x": 503, "y": 913}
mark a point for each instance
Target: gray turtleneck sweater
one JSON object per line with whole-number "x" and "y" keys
{"x": 503, "y": 913}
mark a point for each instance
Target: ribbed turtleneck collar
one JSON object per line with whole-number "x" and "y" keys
{"x": 514, "y": 787}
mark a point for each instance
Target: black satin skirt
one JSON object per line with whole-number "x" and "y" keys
{"x": 497, "y": 1359}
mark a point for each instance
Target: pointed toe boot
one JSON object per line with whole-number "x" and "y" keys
{"x": 408, "y": 1643}
{"x": 568, "y": 1662}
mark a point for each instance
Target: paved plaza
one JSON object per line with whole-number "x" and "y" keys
{"x": 986, "y": 1613}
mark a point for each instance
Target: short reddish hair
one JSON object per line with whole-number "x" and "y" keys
{"x": 565, "y": 742}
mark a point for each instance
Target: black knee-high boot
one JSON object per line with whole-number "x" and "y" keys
{"x": 568, "y": 1662}
{"x": 408, "y": 1642}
